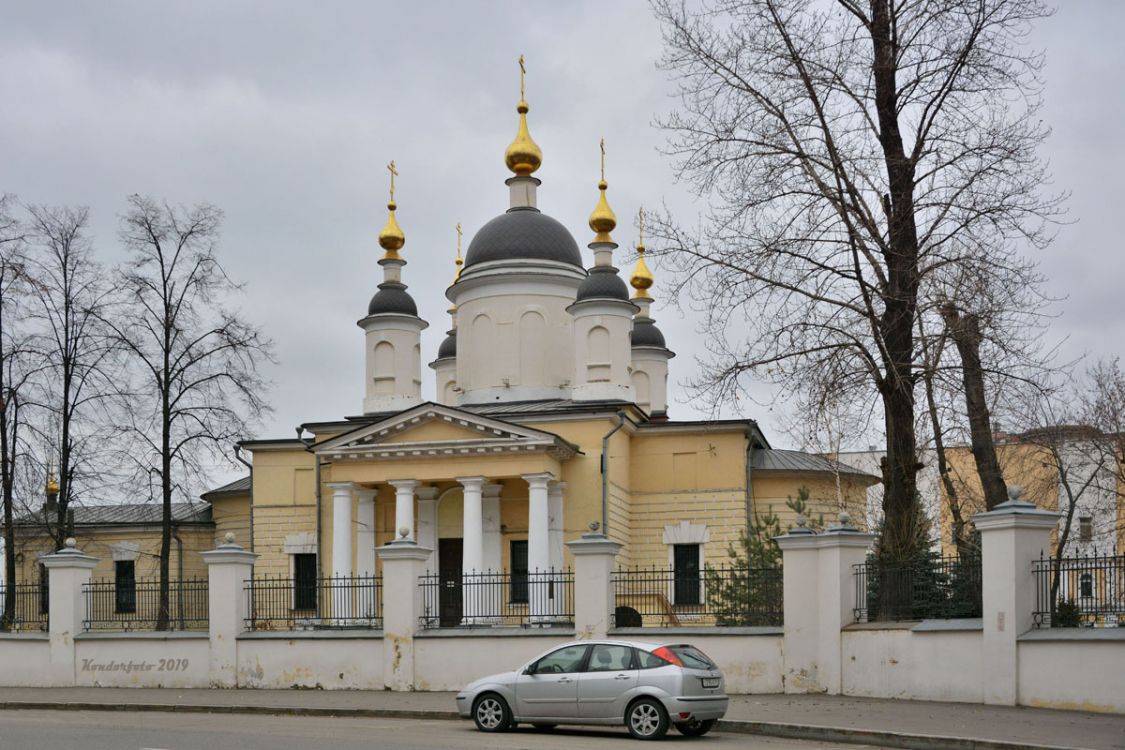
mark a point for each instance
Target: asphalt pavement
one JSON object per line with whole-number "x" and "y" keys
{"x": 93, "y": 730}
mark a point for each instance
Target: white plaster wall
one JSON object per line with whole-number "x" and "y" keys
{"x": 1085, "y": 675}
{"x": 750, "y": 663}
{"x": 900, "y": 663}
{"x": 443, "y": 663}
{"x": 25, "y": 662}
{"x": 325, "y": 663}
{"x": 132, "y": 661}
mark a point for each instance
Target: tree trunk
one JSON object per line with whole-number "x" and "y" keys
{"x": 964, "y": 547}
{"x": 965, "y": 331}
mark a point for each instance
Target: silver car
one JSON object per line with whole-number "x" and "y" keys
{"x": 648, "y": 687}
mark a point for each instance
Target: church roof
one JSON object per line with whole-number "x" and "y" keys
{"x": 526, "y": 233}
{"x": 237, "y": 487}
{"x": 603, "y": 283}
{"x": 392, "y": 298}
{"x": 131, "y": 514}
{"x": 448, "y": 347}
{"x": 645, "y": 333}
{"x": 782, "y": 460}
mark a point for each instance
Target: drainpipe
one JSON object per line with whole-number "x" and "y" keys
{"x": 749, "y": 483}
{"x": 319, "y": 501}
{"x": 605, "y": 472}
{"x": 179, "y": 571}
{"x": 238, "y": 457}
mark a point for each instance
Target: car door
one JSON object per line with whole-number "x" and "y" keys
{"x": 603, "y": 689}
{"x": 548, "y": 689}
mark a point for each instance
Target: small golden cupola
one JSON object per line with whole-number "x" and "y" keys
{"x": 523, "y": 155}
{"x": 391, "y": 239}
{"x": 602, "y": 220}
{"x": 642, "y": 278}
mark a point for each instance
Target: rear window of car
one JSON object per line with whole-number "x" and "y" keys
{"x": 649, "y": 660}
{"x": 692, "y": 657}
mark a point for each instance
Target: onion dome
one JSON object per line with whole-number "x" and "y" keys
{"x": 645, "y": 333}
{"x": 602, "y": 220}
{"x": 523, "y": 233}
{"x": 392, "y": 297}
{"x": 642, "y": 277}
{"x": 603, "y": 283}
{"x": 523, "y": 156}
{"x": 448, "y": 347}
{"x": 391, "y": 238}
{"x": 52, "y": 483}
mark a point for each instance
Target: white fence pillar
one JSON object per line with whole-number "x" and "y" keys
{"x": 229, "y": 568}
{"x": 594, "y": 555}
{"x": 819, "y": 596}
{"x": 404, "y": 561}
{"x": 1012, "y": 536}
{"x": 69, "y": 570}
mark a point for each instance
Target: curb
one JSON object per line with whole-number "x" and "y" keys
{"x": 763, "y": 728}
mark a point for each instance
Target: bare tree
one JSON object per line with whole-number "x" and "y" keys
{"x": 852, "y": 152}
{"x": 71, "y": 294}
{"x": 200, "y": 386}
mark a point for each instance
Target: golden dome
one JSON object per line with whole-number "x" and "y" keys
{"x": 642, "y": 278}
{"x": 603, "y": 220}
{"x": 523, "y": 156}
{"x": 52, "y": 484}
{"x": 391, "y": 238}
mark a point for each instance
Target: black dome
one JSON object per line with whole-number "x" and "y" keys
{"x": 523, "y": 232}
{"x": 645, "y": 333}
{"x": 448, "y": 347}
{"x": 603, "y": 283}
{"x": 392, "y": 298}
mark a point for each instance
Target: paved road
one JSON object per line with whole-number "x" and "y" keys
{"x": 90, "y": 730}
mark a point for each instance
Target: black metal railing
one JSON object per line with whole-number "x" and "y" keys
{"x": 1085, "y": 591}
{"x": 941, "y": 588}
{"x": 283, "y": 603}
{"x": 135, "y": 605}
{"x": 723, "y": 595}
{"x": 492, "y": 599}
{"x": 30, "y": 607}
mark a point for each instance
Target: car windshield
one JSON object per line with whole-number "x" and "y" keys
{"x": 692, "y": 657}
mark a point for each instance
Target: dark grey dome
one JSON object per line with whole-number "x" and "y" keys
{"x": 392, "y": 298}
{"x": 523, "y": 232}
{"x": 603, "y": 283}
{"x": 448, "y": 347}
{"x": 645, "y": 333}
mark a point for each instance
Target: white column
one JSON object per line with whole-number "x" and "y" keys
{"x": 365, "y": 532}
{"x": 472, "y": 552}
{"x": 490, "y": 509}
{"x": 538, "y": 545}
{"x": 404, "y": 508}
{"x": 427, "y": 522}
{"x": 341, "y": 528}
{"x": 555, "y": 523}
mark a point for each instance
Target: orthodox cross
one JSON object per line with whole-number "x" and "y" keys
{"x": 458, "y": 243}
{"x": 641, "y": 227}
{"x": 394, "y": 173}
{"x": 523, "y": 72}
{"x": 601, "y": 145}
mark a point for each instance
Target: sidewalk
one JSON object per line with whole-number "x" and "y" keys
{"x": 909, "y": 724}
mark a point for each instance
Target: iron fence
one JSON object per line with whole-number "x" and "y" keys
{"x": 29, "y": 607}
{"x": 725, "y": 595}
{"x": 284, "y": 603}
{"x": 1081, "y": 591}
{"x": 135, "y": 605}
{"x": 492, "y": 599}
{"x": 941, "y": 588}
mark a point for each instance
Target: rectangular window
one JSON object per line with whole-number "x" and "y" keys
{"x": 1086, "y": 529}
{"x": 304, "y": 581}
{"x": 685, "y": 571}
{"x": 125, "y": 586}
{"x": 518, "y": 566}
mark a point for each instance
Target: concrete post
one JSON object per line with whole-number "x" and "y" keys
{"x": 594, "y": 555}
{"x": 1012, "y": 536}
{"x": 819, "y": 594}
{"x": 69, "y": 570}
{"x": 404, "y": 562}
{"x": 229, "y": 568}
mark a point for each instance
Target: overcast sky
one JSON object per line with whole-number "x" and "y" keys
{"x": 284, "y": 114}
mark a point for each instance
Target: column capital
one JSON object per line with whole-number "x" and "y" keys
{"x": 403, "y": 485}
{"x": 427, "y": 493}
{"x": 538, "y": 481}
{"x": 473, "y": 483}
{"x": 556, "y": 487}
{"x": 493, "y": 489}
{"x": 366, "y": 493}
{"x": 341, "y": 487}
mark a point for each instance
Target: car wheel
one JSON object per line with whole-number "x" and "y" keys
{"x": 646, "y": 719}
{"x": 491, "y": 713}
{"x": 695, "y": 727}
{"x": 544, "y": 727}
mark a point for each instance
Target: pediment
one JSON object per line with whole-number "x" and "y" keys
{"x": 434, "y": 430}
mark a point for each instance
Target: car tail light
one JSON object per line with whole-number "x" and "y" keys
{"x": 666, "y": 654}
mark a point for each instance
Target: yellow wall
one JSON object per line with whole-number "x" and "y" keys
{"x": 231, "y": 514}
{"x": 99, "y": 543}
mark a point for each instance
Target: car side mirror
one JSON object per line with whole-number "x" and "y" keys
{"x": 530, "y": 669}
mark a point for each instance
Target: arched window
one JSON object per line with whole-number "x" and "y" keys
{"x": 383, "y": 367}
{"x": 598, "y": 355}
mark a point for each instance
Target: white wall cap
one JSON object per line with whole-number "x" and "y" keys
{"x": 69, "y": 557}
{"x": 1015, "y": 516}
{"x": 228, "y": 555}
{"x": 826, "y": 540}
{"x": 594, "y": 544}
{"x": 403, "y": 550}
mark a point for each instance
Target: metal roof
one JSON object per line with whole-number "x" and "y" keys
{"x": 131, "y": 514}
{"x": 781, "y": 460}
{"x": 237, "y": 487}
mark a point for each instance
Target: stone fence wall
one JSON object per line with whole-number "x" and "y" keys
{"x": 999, "y": 659}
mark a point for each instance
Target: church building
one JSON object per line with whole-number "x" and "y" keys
{"x": 551, "y": 418}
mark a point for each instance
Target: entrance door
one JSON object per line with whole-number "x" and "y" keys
{"x": 449, "y": 582}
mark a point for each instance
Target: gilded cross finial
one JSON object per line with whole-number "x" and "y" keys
{"x": 458, "y": 243}
{"x": 641, "y": 229}
{"x": 642, "y": 276}
{"x": 394, "y": 173}
{"x": 523, "y": 72}
{"x": 601, "y": 145}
